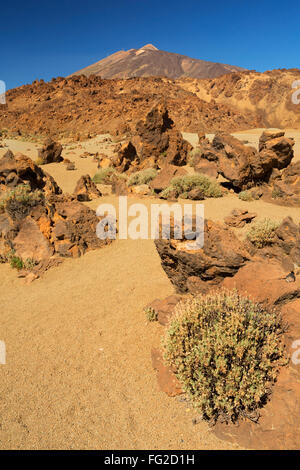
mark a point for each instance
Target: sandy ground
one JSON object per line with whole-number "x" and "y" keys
{"x": 78, "y": 372}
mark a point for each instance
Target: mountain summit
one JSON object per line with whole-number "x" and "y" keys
{"x": 150, "y": 61}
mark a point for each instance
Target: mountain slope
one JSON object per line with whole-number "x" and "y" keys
{"x": 268, "y": 94}
{"x": 149, "y": 61}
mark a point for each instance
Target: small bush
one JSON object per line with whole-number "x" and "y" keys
{"x": 18, "y": 202}
{"x": 182, "y": 185}
{"x": 245, "y": 196}
{"x": 262, "y": 233}
{"x": 103, "y": 176}
{"x": 142, "y": 177}
{"x": 277, "y": 193}
{"x": 151, "y": 314}
{"x": 16, "y": 262}
{"x": 226, "y": 351}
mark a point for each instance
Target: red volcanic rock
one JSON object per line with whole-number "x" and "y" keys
{"x": 85, "y": 189}
{"x": 164, "y": 177}
{"x": 239, "y": 218}
{"x": 221, "y": 256}
{"x": 167, "y": 381}
{"x": 164, "y": 308}
{"x": 50, "y": 152}
{"x": 19, "y": 169}
{"x": 127, "y": 158}
{"x": 157, "y": 138}
{"x": 265, "y": 282}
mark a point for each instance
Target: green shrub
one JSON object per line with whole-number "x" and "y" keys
{"x": 183, "y": 184}
{"x": 16, "y": 262}
{"x": 103, "y": 175}
{"x": 277, "y": 193}
{"x": 262, "y": 233}
{"x": 226, "y": 351}
{"x": 142, "y": 177}
{"x": 151, "y": 314}
{"x": 245, "y": 196}
{"x": 18, "y": 201}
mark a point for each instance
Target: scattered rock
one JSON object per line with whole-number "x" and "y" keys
{"x": 164, "y": 177}
{"x": 239, "y": 218}
{"x": 167, "y": 381}
{"x": 164, "y": 308}
{"x": 85, "y": 189}
{"x": 221, "y": 256}
{"x": 264, "y": 281}
{"x": 70, "y": 166}
{"x": 50, "y": 152}
{"x": 19, "y": 169}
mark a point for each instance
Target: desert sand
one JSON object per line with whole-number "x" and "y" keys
{"x": 78, "y": 372}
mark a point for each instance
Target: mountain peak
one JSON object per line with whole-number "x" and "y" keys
{"x": 149, "y": 47}
{"x": 142, "y": 63}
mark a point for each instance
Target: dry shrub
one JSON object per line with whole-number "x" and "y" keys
{"x": 226, "y": 351}
{"x": 262, "y": 233}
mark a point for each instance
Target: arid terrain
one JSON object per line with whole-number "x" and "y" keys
{"x": 78, "y": 372}
{"x": 81, "y": 370}
{"x": 148, "y": 61}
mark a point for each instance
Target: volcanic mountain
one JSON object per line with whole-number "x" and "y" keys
{"x": 150, "y": 61}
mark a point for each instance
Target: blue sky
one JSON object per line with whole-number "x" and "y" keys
{"x": 48, "y": 39}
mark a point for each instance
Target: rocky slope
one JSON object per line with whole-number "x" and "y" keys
{"x": 80, "y": 106}
{"x": 149, "y": 61}
{"x": 268, "y": 94}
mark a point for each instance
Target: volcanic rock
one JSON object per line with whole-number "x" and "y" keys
{"x": 239, "y": 218}
{"x": 85, "y": 189}
{"x": 50, "y": 152}
{"x": 221, "y": 256}
{"x": 167, "y": 380}
{"x": 19, "y": 169}
{"x": 164, "y": 177}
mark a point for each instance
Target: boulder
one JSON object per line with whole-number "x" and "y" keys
{"x": 222, "y": 255}
{"x": 268, "y": 135}
{"x": 20, "y": 169}
{"x": 239, "y": 218}
{"x": 264, "y": 281}
{"x": 50, "y": 152}
{"x": 164, "y": 308}
{"x": 167, "y": 380}
{"x": 164, "y": 177}
{"x": 30, "y": 243}
{"x": 127, "y": 158}
{"x": 157, "y": 138}
{"x": 85, "y": 189}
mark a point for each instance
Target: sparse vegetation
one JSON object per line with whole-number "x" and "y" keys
{"x": 181, "y": 186}
{"x": 277, "y": 193}
{"x": 151, "y": 314}
{"x": 245, "y": 196}
{"x": 262, "y": 233}
{"x": 18, "y": 202}
{"x": 103, "y": 175}
{"x": 16, "y": 262}
{"x": 142, "y": 177}
{"x": 226, "y": 351}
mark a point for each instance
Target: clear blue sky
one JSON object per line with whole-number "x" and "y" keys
{"x": 47, "y": 39}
